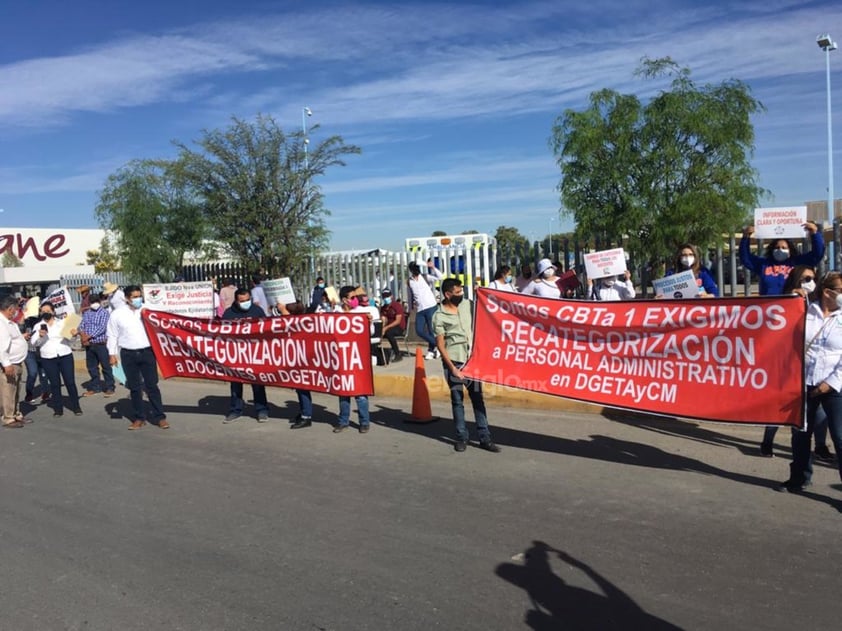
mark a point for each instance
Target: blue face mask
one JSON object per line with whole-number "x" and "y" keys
{"x": 509, "y": 278}
{"x": 321, "y": 285}
{"x": 386, "y": 301}
{"x": 245, "y": 305}
{"x": 137, "y": 303}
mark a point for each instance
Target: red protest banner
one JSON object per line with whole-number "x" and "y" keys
{"x": 737, "y": 360}
{"x": 319, "y": 352}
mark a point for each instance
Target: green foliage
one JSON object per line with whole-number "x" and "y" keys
{"x": 438, "y": 233}
{"x": 10, "y": 259}
{"x": 154, "y": 216}
{"x": 510, "y": 242}
{"x": 652, "y": 176}
{"x": 258, "y": 191}
{"x": 104, "y": 259}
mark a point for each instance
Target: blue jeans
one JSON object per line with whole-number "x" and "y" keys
{"x": 457, "y": 396}
{"x": 61, "y": 369}
{"x": 305, "y": 403}
{"x": 96, "y": 358}
{"x": 142, "y": 373}
{"x": 345, "y": 411}
{"x": 258, "y": 393}
{"x": 35, "y": 369}
{"x": 801, "y": 468}
{"x": 424, "y": 327}
{"x": 819, "y": 432}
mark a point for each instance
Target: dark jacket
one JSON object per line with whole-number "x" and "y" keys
{"x": 233, "y": 312}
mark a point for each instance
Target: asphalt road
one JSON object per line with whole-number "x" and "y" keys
{"x": 582, "y": 522}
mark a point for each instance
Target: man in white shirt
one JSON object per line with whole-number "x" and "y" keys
{"x": 129, "y": 345}
{"x": 13, "y": 349}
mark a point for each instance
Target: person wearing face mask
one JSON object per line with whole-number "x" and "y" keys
{"x": 801, "y": 282}
{"x": 93, "y": 331}
{"x": 317, "y": 295}
{"x": 394, "y": 322}
{"x": 780, "y": 257}
{"x": 422, "y": 296}
{"x": 453, "y": 325}
{"x": 128, "y": 344}
{"x": 546, "y": 283}
{"x": 57, "y": 360}
{"x": 351, "y": 304}
{"x": 502, "y": 279}
{"x": 688, "y": 259}
{"x": 823, "y": 378}
{"x": 610, "y": 289}
{"x": 243, "y": 307}
{"x": 524, "y": 279}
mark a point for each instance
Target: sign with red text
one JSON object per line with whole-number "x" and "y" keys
{"x": 36, "y": 247}
{"x": 605, "y": 263}
{"x": 737, "y": 360}
{"x": 780, "y": 223}
{"x": 61, "y": 301}
{"x": 189, "y": 299}
{"x": 328, "y": 353}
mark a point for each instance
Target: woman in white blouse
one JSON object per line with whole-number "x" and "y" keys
{"x": 502, "y": 279}
{"x": 823, "y": 376}
{"x": 546, "y": 285}
{"x": 56, "y": 358}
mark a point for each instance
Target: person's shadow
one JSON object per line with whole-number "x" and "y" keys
{"x": 556, "y": 604}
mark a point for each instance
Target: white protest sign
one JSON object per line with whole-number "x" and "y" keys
{"x": 681, "y": 285}
{"x": 279, "y": 290}
{"x": 60, "y": 299}
{"x": 187, "y": 299}
{"x": 605, "y": 263}
{"x": 780, "y": 223}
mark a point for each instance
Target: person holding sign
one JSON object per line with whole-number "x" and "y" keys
{"x": 546, "y": 285}
{"x": 351, "y": 304}
{"x": 127, "y": 336}
{"x": 688, "y": 259}
{"x": 612, "y": 289}
{"x": 773, "y": 268}
{"x": 57, "y": 359}
{"x": 243, "y": 307}
{"x": 453, "y": 327}
{"x": 823, "y": 377}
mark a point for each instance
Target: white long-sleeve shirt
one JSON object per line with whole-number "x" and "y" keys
{"x": 419, "y": 286}
{"x": 823, "y": 347}
{"x": 52, "y": 344}
{"x": 621, "y": 290}
{"x": 542, "y": 287}
{"x": 125, "y": 330}
{"x": 13, "y": 346}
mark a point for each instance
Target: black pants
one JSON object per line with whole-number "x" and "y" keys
{"x": 392, "y": 335}
{"x": 142, "y": 373}
{"x": 60, "y": 369}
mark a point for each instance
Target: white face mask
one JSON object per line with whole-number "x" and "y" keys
{"x": 548, "y": 273}
{"x": 95, "y": 306}
{"x": 609, "y": 282}
{"x": 687, "y": 261}
{"x": 809, "y": 286}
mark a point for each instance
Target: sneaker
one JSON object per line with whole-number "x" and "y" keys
{"x": 490, "y": 446}
{"x": 363, "y": 429}
{"x": 430, "y": 355}
{"x": 460, "y": 445}
{"x": 436, "y": 354}
{"x": 339, "y": 428}
{"x": 78, "y": 412}
{"x": 790, "y": 486}
{"x": 262, "y": 416}
{"x": 823, "y": 453}
{"x": 231, "y": 417}
{"x": 301, "y": 422}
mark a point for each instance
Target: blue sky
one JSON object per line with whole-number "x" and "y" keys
{"x": 451, "y": 103}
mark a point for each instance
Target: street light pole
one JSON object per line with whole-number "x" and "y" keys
{"x": 550, "y": 238}
{"x": 827, "y": 44}
{"x": 306, "y": 112}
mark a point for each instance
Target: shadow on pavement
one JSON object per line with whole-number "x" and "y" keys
{"x": 556, "y": 604}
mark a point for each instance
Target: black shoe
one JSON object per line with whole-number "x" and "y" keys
{"x": 363, "y": 429}
{"x": 490, "y": 446}
{"x": 766, "y": 452}
{"x": 262, "y": 417}
{"x": 791, "y": 486}
{"x": 823, "y": 453}
{"x": 301, "y": 422}
{"x": 78, "y": 412}
{"x": 56, "y": 414}
{"x": 339, "y": 428}
{"x": 396, "y": 357}
{"x": 460, "y": 445}
{"x": 231, "y": 417}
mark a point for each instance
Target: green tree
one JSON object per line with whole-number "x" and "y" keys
{"x": 258, "y": 190}
{"x": 652, "y": 176}
{"x": 104, "y": 259}
{"x": 510, "y": 243}
{"x": 10, "y": 259}
{"x": 439, "y": 233}
{"x": 154, "y": 216}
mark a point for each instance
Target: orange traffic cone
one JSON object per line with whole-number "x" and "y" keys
{"x": 421, "y": 410}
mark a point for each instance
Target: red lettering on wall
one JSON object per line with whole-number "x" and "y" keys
{"x": 16, "y": 244}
